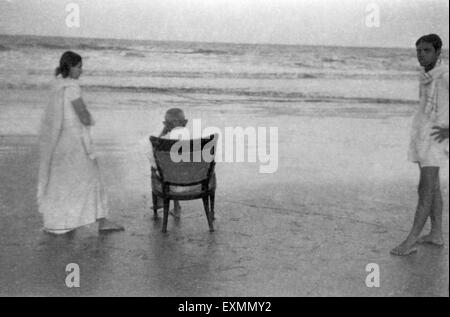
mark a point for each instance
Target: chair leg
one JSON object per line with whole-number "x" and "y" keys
{"x": 212, "y": 197}
{"x": 208, "y": 214}
{"x": 166, "y": 214}
{"x": 155, "y": 206}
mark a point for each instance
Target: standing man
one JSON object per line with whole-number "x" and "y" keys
{"x": 429, "y": 144}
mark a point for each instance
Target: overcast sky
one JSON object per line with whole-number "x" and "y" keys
{"x": 313, "y": 22}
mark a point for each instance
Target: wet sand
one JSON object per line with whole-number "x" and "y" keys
{"x": 342, "y": 197}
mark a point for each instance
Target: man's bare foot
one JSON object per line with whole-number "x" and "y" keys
{"x": 62, "y": 232}
{"x": 406, "y": 248}
{"x": 434, "y": 239}
{"x": 176, "y": 212}
{"x": 106, "y": 225}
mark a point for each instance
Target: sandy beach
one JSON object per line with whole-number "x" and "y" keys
{"x": 342, "y": 197}
{"x": 313, "y": 102}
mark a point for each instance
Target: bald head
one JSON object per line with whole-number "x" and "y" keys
{"x": 175, "y": 114}
{"x": 175, "y": 118}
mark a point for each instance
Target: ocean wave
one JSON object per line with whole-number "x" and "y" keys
{"x": 256, "y": 75}
{"x": 131, "y": 50}
{"x": 134, "y": 54}
{"x": 63, "y": 45}
{"x": 267, "y": 94}
{"x": 206, "y": 75}
{"x": 96, "y": 47}
{"x": 202, "y": 51}
{"x": 49, "y": 46}
{"x": 333, "y": 60}
{"x": 220, "y": 93}
{"x": 304, "y": 65}
{"x": 25, "y": 86}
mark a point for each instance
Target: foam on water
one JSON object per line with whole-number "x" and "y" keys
{"x": 264, "y": 71}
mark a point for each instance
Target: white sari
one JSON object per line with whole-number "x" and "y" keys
{"x": 70, "y": 191}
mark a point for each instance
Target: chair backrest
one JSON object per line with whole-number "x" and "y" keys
{"x": 185, "y": 162}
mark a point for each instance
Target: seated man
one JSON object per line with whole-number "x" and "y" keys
{"x": 174, "y": 129}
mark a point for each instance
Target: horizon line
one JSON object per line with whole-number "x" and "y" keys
{"x": 204, "y": 42}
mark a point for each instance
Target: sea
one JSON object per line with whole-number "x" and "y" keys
{"x": 219, "y": 71}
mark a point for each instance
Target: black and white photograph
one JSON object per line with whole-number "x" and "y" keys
{"x": 204, "y": 150}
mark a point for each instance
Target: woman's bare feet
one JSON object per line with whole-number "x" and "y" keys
{"x": 434, "y": 239}
{"x": 408, "y": 247}
{"x": 105, "y": 225}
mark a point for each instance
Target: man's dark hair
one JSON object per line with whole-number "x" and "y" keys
{"x": 432, "y": 39}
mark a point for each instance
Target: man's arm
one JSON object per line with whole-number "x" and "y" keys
{"x": 81, "y": 110}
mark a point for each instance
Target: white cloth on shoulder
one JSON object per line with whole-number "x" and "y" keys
{"x": 433, "y": 112}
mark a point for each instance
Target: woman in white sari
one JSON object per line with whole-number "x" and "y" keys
{"x": 70, "y": 190}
